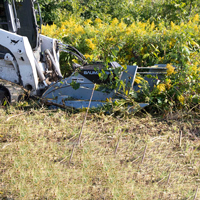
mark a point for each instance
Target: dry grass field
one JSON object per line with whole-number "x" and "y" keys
{"x": 118, "y": 158}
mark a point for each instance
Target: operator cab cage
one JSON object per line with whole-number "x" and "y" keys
{"x": 20, "y": 18}
{"x": 8, "y": 16}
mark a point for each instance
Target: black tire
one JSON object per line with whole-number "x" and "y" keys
{"x": 4, "y": 96}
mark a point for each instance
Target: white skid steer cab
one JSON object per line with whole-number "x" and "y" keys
{"x": 29, "y": 61}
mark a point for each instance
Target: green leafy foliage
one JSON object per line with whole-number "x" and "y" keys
{"x": 169, "y": 10}
{"x": 159, "y": 37}
{"x": 75, "y": 85}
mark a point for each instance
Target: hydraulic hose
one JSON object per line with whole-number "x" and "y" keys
{"x": 55, "y": 66}
{"x": 40, "y": 73}
{"x": 70, "y": 52}
{"x": 71, "y": 48}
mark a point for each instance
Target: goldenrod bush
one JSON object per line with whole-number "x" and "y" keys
{"x": 143, "y": 44}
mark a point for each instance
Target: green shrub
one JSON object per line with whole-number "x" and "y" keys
{"x": 144, "y": 44}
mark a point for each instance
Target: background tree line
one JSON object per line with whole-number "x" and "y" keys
{"x": 55, "y": 11}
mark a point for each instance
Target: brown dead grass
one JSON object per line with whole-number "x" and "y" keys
{"x": 125, "y": 158}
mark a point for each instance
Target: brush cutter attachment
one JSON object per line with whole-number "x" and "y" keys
{"x": 66, "y": 94}
{"x": 90, "y": 82}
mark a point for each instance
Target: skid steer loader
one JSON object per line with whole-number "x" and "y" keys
{"x": 29, "y": 61}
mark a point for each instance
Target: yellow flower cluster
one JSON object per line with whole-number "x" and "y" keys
{"x": 161, "y": 88}
{"x": 138, "y": 79}
{"x": 196, "y": 18}
{"x": 140, "y": 43}
{"x": 170, "y": 69}
{"x": 118, "y": 40}
{"x": 97, "y": 20}
{"x": 89, "y": 57}
{"x": 181, "y": 99}
{"x": 114, "y": 34}
{"x": 168, "y": 84}
{"x": 195, "y": 69}
{"x": 90, "y": 44}
{"x": 79, "y": 29}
